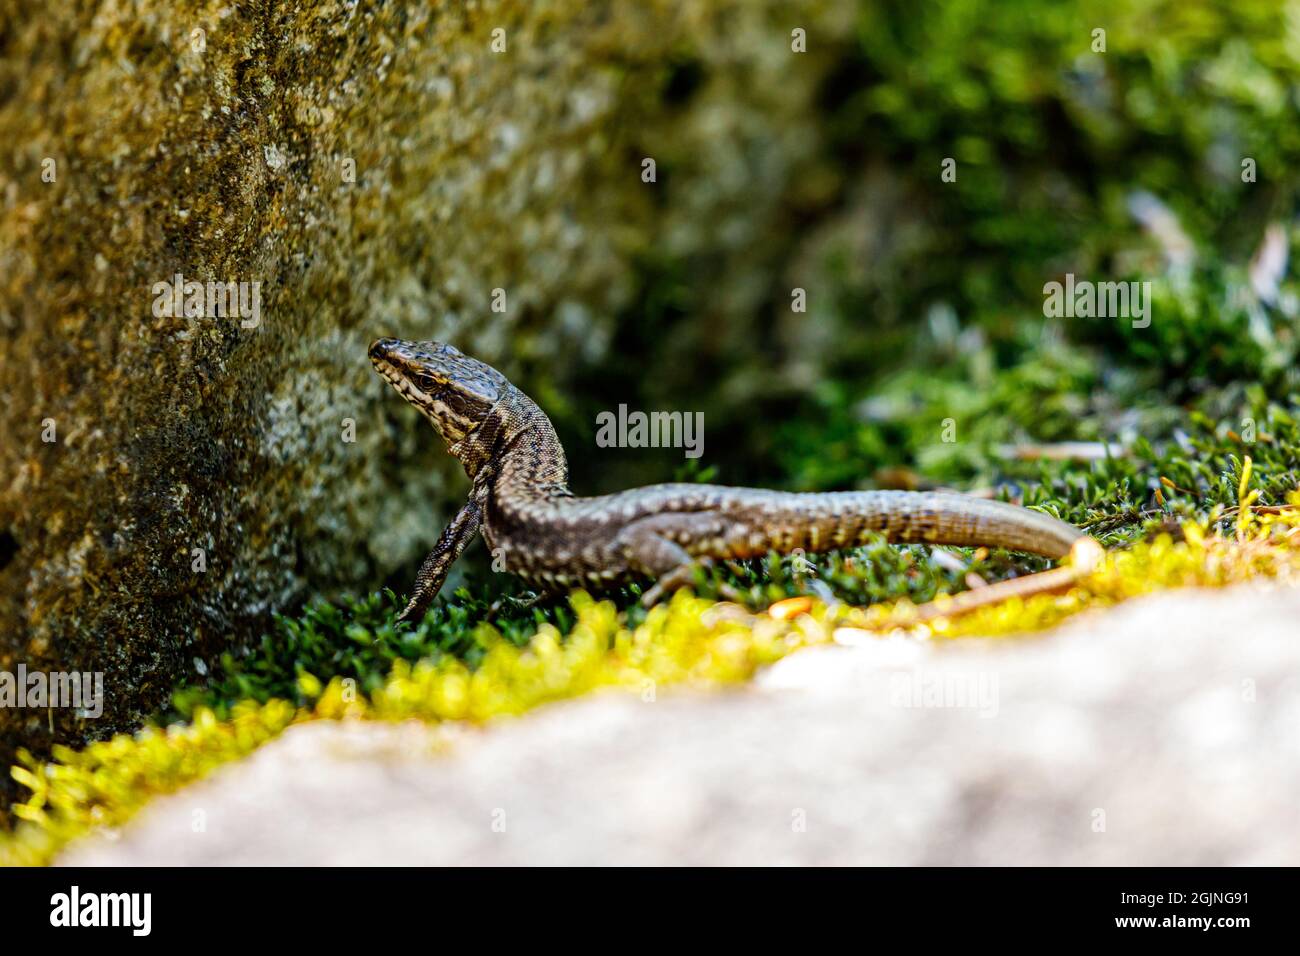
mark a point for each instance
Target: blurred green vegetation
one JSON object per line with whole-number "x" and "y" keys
{"x": 936, "y": 313}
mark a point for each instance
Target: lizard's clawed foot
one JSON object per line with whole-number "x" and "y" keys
{"x": 679, "y": 577}
{"x": 413, "y": 612}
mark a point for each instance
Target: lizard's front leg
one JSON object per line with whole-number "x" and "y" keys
{"x": 433, "y": 572}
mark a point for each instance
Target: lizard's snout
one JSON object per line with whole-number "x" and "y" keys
{"x": 382, "y": 348}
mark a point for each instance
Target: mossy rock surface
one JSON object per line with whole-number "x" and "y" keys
{"x": 378, "y": 169}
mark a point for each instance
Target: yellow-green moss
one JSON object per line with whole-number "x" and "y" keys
{"x": 687, "y": 641}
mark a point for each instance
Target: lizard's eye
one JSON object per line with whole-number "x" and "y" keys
{"x": 428, "y": 384}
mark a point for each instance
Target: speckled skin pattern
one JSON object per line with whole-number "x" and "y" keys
{"x": 542, "y": 532}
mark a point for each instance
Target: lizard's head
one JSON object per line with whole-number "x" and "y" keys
{"x": 455, "y": 392}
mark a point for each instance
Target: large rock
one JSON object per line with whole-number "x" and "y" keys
{"x": 1164, "y": 732}
{"x": 378, "y": 169}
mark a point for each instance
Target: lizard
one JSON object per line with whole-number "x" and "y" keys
{"x": 520, "y": 501}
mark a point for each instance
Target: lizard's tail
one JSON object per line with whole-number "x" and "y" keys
{"x": 837, "y": 519}
{"x": 946, "y": 518}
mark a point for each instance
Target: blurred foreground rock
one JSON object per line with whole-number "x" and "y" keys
{"x": 167, "y": 480}
{"x": 1164, "y": 732}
